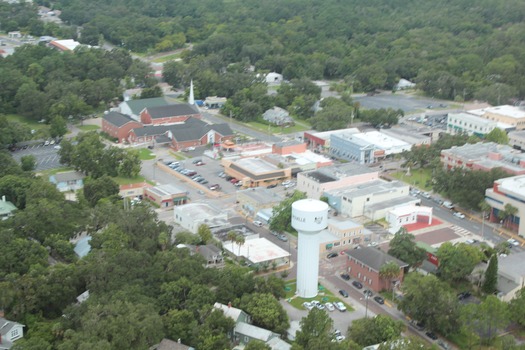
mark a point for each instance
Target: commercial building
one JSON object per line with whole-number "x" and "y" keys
{"x": 406, "y": 215}
{"x": 505, "y": 191}
{"x": 506, "y": 114}
{"x": 409, "y": 135}
{"x": 517, "y": 139}
{"x": 166, "y": 196}
{"x": 511, "y": 276}
{"x": 191, "y": 216}
{"x": 466, "y": 123}
{"x": 342, "y": 233}
{"x": 317, "y": 182}
{"x": 320, "y": 141}
{"x": 169, "y": 114}
{"x": 253, "y": 200}
{"x": 259, "y": 251}
{"x": 255, "y": 172}
{"x": 371, "y": 199}
{"x": 484, "y": 157}
{"x": 365, "y": 264}
{"x": 118, "y": 125}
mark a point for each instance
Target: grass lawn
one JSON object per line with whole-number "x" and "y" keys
{"x": 145, "y": 154}
{"x": 166, "y": 58}
{"x": 129, "y": 180}
{"x": 49, "y": 172}
{"x": 418, "y": 178}
{"x": 324, "y": 296}
{"x": 27, "y": 121}
{"x": 88, "y": 128}
{"x": 277, "y": 129}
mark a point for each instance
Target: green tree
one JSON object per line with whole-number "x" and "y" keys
{"x": 491, "y": 276}
{"x": 456, "y": 262}
{"x": 316, "y": 325}
{"x": 28, "y": 162}
{"x": 507, "y": 213}
{"x": 257, "y": 345}
{"x": 102, "y": 187}
{"x": 58, "y": 126}
{"x": 487, "y": 318}
{"x": 370, "y": 331}
{"x": 431, "y": 301}
{"x": 403, "y": 247}
{"x": 498, "y": 136}
{"x": 282, "y": 217}
{"x": 517, "y": 307}
{"x": 204, "y": 233}
{"x": 266, "y": 312}
{"x": 240, "y": 242}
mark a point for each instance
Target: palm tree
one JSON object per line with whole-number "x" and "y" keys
{"x": 508, "y": 212}
{"x": 231, "y": 235}
{"x": 389, "y": 271}
{"x": 485, "y": 207}
{"x": 240, "y": 241}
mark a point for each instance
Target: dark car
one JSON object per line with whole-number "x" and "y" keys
{"x": 463, "y": 295}
{"x": 357, "y": 284}
{"x": 345, "y": 276}
{"x": 431, "y": 335}
{"x": 272, "y": 186}
{"x": 228, "y": 178}
{"x": 195, "y": 161}
{"x": 332, "y": 255}
{"x": 368, "y": 292}
{"x": 343, "y": 293}
{"x": 379, "y": 300}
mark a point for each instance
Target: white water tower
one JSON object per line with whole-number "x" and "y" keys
{"x": 309, "y": 217}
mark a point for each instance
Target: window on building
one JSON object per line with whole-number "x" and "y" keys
{"x": 14, "y": 333}
{"x": 359, "y": 275}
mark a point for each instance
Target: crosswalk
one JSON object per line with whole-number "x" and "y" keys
{"x": 460, "y": 231}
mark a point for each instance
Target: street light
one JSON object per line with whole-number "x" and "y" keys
{"x": 366, "y": 304}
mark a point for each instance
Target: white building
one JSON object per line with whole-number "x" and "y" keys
{"x": 274, "y": 78}
{"x": 506, "y": 114}
{"x": 470, "y": 124}
{"x": 10, "y": 331}
{"x": 406, "y": 215}
{"x": 511, "y": 275}
{"x": 381, "y": 141}
{"x": 259, "y": 251}
{"x": 191, "y": 216}
{"x": 511, "y": 191}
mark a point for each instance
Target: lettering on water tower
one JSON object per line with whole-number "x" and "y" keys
{"x": 298, "y": 218}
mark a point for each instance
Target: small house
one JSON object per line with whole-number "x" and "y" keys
{"x": 6, "y": 209}
{"x": 9, "y": 332}
{"x": 68, "y": 181}
{"x": 278, "y": 116}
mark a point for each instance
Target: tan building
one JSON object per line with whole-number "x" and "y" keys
{"x": 506, "y": 114}
{"x": 256, "y": 172}
{"x": 166, "y": 196}
{"x": 342, "y": 233}
{"x": 253, "y": 200}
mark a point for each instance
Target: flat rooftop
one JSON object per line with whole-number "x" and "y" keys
{"x": 334, "y": 173}
{"x": 199, "y": 211}
{"x": 370, "y": 188}
{"x": 381, "y": 140}
{"x": 166, "y": 190}
{"x": 257, "y": 250}
{"x": 513, "y": 185}
{"x": 262, "y": 195}
{"x": 325, "y": 135}
{"x": 504, "y": 110}
{"x": 256, "y": 165}
{"x": 342, "y": 223}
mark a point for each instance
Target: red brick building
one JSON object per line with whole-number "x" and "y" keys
{"x": 288, "y": 147}
{"x": 364, "y": 265}
{"x": 119, "y": 125}
{"x": 168, "y": 114}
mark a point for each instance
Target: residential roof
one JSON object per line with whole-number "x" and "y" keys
{"x": 174, "y": 110}
{"x": 5, "y": 328}
{"x": 118, "y": 119}
{"x": 373, "y": 257}
{"x": 65, "y": 45}
{"x": 6, "y": 207}
{"x": 138, "y": 106}
{"x": 208, "y": 250}
{"x": 68, "y": 176}
{"x": 168, "y": 344}
{"x": 229, "y": 311}
{"x": 189, "y": 130}
{"x": 82, "y": 247}
{"x": 253, "y": 332}
{"x": 278, "y": 344}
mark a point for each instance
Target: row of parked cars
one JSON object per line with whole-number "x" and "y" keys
{"x": 177, "y": 166}
{"x": 309, "y": 305}
{"x": 368, "y": 293}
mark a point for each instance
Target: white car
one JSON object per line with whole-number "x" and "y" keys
{"x": 308, "y": 306}
{"x": 286, "y": 183}
{"x": 459, "y": 215}
{"x": 329, "y": 306}
{"x": 513, "y": 242}
{"x": 340, "y": 306}
{"x": 425, "y": 195}
{"x": 257, "y": 223}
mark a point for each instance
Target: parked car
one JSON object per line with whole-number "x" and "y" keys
{"x": 329, "y": 306}
{"x": 320, "y": 306}
{"x": 272, "y": 186}
{"x": 214, "y": 187}
{"x": 286, "y": 182}
{"x": 190, "y": 148}
{"x": 200, "y": 163}
{"x": 332, "y": 255}
{"x": 234, "y": 181}
{"x": 344, "y": 293}
{"x": 258, "y": 223}
{"x": 221, "y": 174}
{"x": 275, "y": 233}
{"x": 368, "y": 292}
{"x": 379, "y": 300}
{"x": 339, "y": 338}
{"x": 195, "y": 161}
{"x": 345, "y": 276}
{"x": 228, "y": 178}
{"x": 513, "y": 242}
{"x": 459, "y": 215}
{"x": 46, "y": 143}
{"x": 431, "y": 335}
{"x": 357, "y": 284}
{"x": 425, "y": 195}
{"x": 463, "y": 295}
{"x": 307, "y": 305}
{"x": 191, "y": 173}
{"x": 340, "y": 306}
{"x": 283, "y": 237}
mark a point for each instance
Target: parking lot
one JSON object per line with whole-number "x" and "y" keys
{"x": 46, "y": 156}
{"x": 408, "y": 103}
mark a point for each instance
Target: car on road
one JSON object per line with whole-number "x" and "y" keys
{"x": 195, "y": 161}
{"x": 339, "y": 338}
{"x": 272, "y": 186}
{"x": 307, "y": 305}
{"x": 368, "y": 292}
{"x": 431, "y": 335}
{"x": 459, "y": 215}
{"x": 283, "y": 237}
{"x": 340, "y": 306}
{"x": 418, "y": 325}
{"x": 214, "y": 187}
{"x": 200, "y": 163}
{"x": 345, "y": 276}
{"x": 258, "y": 223}
{"x": 379, "y": 300}
{"x": 46, "y": 143}
{"x": 329, "y": 306}
{"x": 357, "y": 284}
{"x": 190, "y": 149}
{"x": 332, "y": 255}
{"x": 343, "y": 293}
{"x": 286, "y": 182}
{"x": 425, "y": 195}
{"x": 513, "y": 242}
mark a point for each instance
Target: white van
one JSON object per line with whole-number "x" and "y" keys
{"x": 448, "y": 205}
{"x": 257, "y": 223}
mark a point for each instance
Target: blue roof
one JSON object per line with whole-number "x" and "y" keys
{"x": 82, "y": 247}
